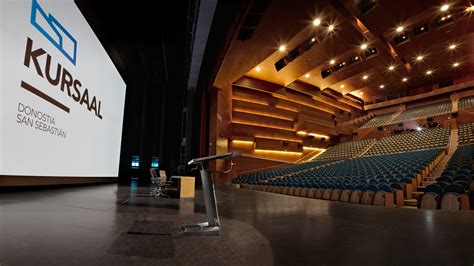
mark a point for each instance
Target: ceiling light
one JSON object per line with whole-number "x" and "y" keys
{"x": 330, "y": 27}
{"x": 456, "y": 64}
{"x": 361, "y": 93}
{"x": 313, "y": 39}
{"x": 316, "y": 22}
{"x": 282, "y": 48}
{"x": 363, "y": 46}
{"x": 258, "y": 69}
{"x": 382, "y": 86}
{"x": 400, "y": 29}
{"x": 307, "y": 75}
{"x": 470, "y": 9}
{"x": 419, "y": 58}
{"x": 391, "y": 68}
{"x": 452, "y": 46}
{"x": 429, "y": 72}
{"x": 365, "y": 77}
{"x": 342, "y": 86}
{"x": 332, "y": 62}
{"x": 444, "y": 7}
{"x": 404, "y": 79}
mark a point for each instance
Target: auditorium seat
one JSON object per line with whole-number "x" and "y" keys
{"x": 466, "y": 102}
{"x": 431, "y": 197}
{"x": 426, "y": 139}
{"x": 466, "y": 134}
{"x": 423, "y": 112}
{"x": 379, "y": 120}
{"x": 345, "y": 150}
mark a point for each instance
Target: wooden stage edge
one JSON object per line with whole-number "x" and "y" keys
{"x": 18, "y": 181}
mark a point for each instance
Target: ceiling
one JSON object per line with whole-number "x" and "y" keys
{"x": 290, "y": 23}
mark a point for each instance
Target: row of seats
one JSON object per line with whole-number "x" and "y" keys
{"x": 412, "y": 141}
{"x": 423, "y": 112}
{"x": 410, "y": 114}
{"x": 345, "y": 150}
{"x": 397, "y": 173}
{"x": 452, "y": 188}
{"x": 272, "y": 173}
{"x": 466, "y": 134}
{"x": 379, "y": 120}
{"x": 466, "y": 102}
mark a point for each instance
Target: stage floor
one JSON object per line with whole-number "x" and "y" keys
{"x": 123, "y": 225}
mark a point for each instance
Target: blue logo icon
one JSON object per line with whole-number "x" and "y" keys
{"x": 54, "y": 32}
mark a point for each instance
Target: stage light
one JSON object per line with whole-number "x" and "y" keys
{"x": 400, "y": 29}
{"x": 429, "y": 72}
{"x": 419, "y": 58}
{"x": 452, "y": 47}
{"x": 282, "y": 48}
{"x": 456, "y": 64}
{"x": 258, "y": 69}
{"x": 342, "y": 86}
{"x": 382, "y": 86}
{"x": 332, "y": 62}
{"x": 444, "y": 7}
{"x": 365, "y": 77}
{"x": 391, "y": 68}
{"x": 363, "y": 46}
{"x": 405, "y": 79}
{"x": 331, "y": 28}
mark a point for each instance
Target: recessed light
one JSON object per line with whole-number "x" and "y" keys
{"x": 400, "y": 29}
{"x": 332, "y": 62}
{"x": 391, "y": 68}
{"x": 404, "y": 79}
{"x": 470, "y": 8}
{"x": 419, "y": 58}
{"x": 429, "y": 72}
{"x": 363, "y": 46}
{"x": 365, "y": 77}
{"x": 282, "y": 48}
{"x": 331, "y": 27}
{"x": 258, "y": 69}
{"x": 456, "y": 64}
{"x": 452, "y": 47}
{"x": 313, "y": 39}
{"x": 444, "y": 7}
{"x": 342, "y": 86}
{"x": 382, "y": 86}
{"x": 317, "y": 22}
{"x": 307, "y": 75}
{"x": 361, "y": 93}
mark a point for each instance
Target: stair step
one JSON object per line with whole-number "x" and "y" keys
{"x": 430, "y": 178}
{"x": 418, "y": 192}
{"x": 410, "y": 207}
{"x": 427, "y": 183}
{"x": 410, "y": 202}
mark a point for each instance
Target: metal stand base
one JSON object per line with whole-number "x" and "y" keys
{"x": 202, "y": 229}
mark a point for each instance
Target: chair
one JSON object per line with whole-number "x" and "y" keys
{"x": 160, "y": 183}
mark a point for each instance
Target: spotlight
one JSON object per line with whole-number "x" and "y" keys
{"x": 452, "y": 47}
{"x": 429, "y": 72}
{"x": 444, "y": 8}
{"x": 400, "y": 29}
{"x": 470, "y": 9}
{"x": 282, "y": 48}
{"x": 404, "y": 79}
{"x": 317, "y": 22}
{"x": 382, "y": 86}
{"x": 258, "y": 69}
{"x": 391, "y": 68}
{"x": 365, "y": 77}
{"x": 456, "y": 64}
{"x": 313, "y": 39}
{"x": 363, "y": 46}
{"x": 332, "y": 62}
{"x": 419, "y": 58}
{"x": 331, "y": 28}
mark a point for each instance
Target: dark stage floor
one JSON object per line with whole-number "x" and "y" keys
{"x": 122, "y": 225}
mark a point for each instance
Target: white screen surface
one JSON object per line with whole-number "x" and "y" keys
{"x": 61, "y": 97}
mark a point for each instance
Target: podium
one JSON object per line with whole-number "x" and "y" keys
{"x": 212, "y": 226}
{"x": 183, "y": 187}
